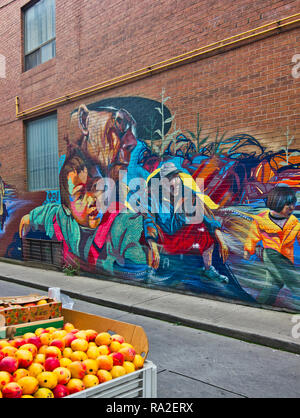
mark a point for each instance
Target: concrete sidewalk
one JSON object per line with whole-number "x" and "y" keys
{"x": 260, "y": 326}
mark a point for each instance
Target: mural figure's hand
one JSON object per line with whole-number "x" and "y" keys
{"x": 224, "y": 250}
{"x": 153, "y": 256}
{"x": 24, "y": 227}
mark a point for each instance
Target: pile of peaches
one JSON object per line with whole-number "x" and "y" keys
{"x": 52, "y": 363}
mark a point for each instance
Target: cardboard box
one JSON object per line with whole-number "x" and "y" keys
{"x": 22, "y": 314}
{"x": 133, "y": 334}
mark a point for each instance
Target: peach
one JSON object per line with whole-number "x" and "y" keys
{"x": 43, "y": 393}
{"x": 42, "y": 302}
{"x": 68, "y": 327}
{"x": 9, "y": 351}
{"x": 104, "y": 350}
{"x": 51, "y": 329}
{"x": 90, "y": 380}
{"x": 93, "y": 352}
{"x": 75, "y": 385}
{"x": 91, "y": 334}
{"x": 18, "y": 374}
{"x": 47, "y": 380}
{"x": 65, "y": 362}
{"x": 9, "y": 364}
{"x": 138, "y": 361}
{"x": 30, "y": 347}
{"x": 12, "y": 390}
{"x": 35, "y": 369}
{"x": 81, "y": 335}
{"x": 51, "y": 363}
{"x": 129, "y": 367}
{"x": 46, "y": 338}
{"x": 58, "y": 343}
{"x": 29, "y": 385}
{"x": 59, "y": 335}
{"x": 63, "y": 375}
{"x": 18, "y": 342}
{"x": 128, "y": 353}
{"x": 104, "y": 376}
{"x": 43, "y": 349}
{"x": 105, "y": 362}
{"x": 61, "y": 391}
{"x": 77, "y": 369}
{"x": 39, "y": 331}
{"x": 53, "y": 351}
{"x": 118, "y": 358}
{"x": 24, "y": 357}
{"x": 67, "y": 339}
{"x": 119, "y": 338}
{"x": 35, "y": 340}
{"x": 91, "y": 366}
{"x": 5, "y": 378}
{"x": 104, "y": 338}
{"x": 28, "y": 335}
{"x": 114, "y": 346}
{"x": 126, "y": 345}
{"x": 67, "y": 352}
{"x": 40, "y": 358}
{"x": 117, "y": 371}
{"x": 78, "y": 356}
{"x": 4, "y": 344}
{"x": 79, "y": 344}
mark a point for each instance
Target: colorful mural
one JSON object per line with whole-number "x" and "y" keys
{"x": 146, "y": 202}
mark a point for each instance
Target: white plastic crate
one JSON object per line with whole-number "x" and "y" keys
{"x": 139, "y": 384}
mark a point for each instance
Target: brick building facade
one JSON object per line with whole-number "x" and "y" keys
{"x": 230, "y": 70}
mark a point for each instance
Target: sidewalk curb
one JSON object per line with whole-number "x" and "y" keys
{"x": 244, "y": 335}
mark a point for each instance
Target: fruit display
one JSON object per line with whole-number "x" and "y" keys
{"x": 24, "y": 309}
{"x": 55, "y": 363}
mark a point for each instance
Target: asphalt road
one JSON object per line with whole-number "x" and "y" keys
{"x": 197, "y": 364}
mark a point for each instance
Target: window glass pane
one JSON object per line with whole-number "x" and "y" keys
{"x": 42, "y": 154}
{"x": 39, "y": 24}
{"x": 32, "y": 60}
{"x": 48, "y": 51}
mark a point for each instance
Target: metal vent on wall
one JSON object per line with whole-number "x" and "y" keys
{"x": 44, "y": 251}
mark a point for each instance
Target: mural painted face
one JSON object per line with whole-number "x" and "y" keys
{"x": 82, "y": 195}
{"x": 287, "y": 211}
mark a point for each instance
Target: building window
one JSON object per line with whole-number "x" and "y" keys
{"x": 39, "y": 33}
{"x": 42, "y": 154}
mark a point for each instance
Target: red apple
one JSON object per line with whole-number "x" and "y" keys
{"x": 118, "y": 359}
{"x": 1, "y": 355}
{"x": 51, "y": 363}
{"x": 60, "y": 391}
{"x": 9, "y": 364}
